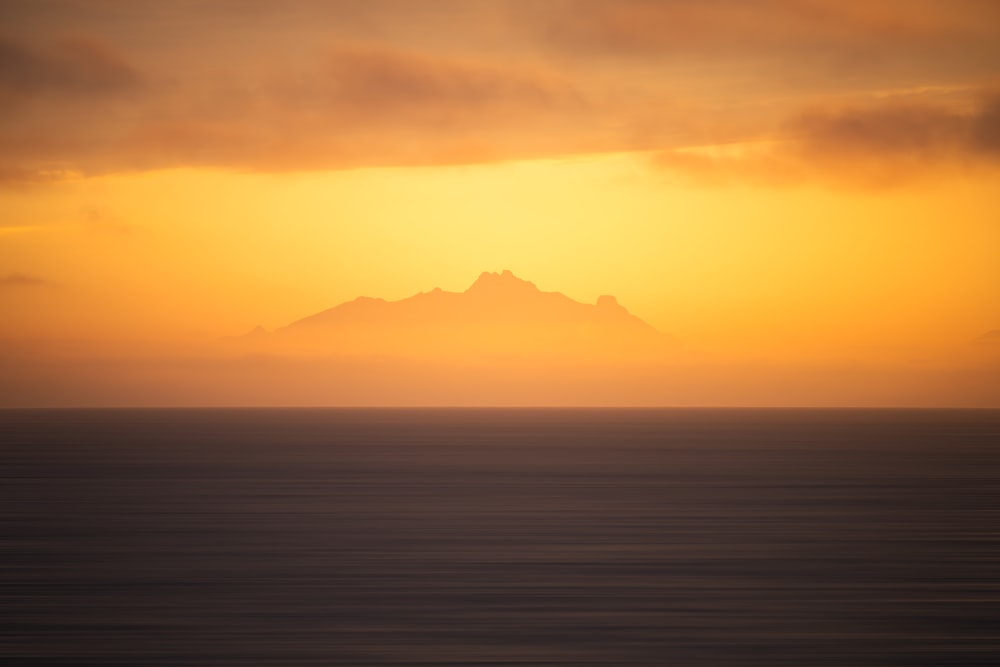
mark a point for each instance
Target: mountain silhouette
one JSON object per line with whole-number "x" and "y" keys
{"x": 499, "y": 315}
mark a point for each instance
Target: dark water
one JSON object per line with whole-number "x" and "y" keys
{"x": 393, "y": 537}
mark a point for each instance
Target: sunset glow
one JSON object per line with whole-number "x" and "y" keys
{"x": 802, "y": 196}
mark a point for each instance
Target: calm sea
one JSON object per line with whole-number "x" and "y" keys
{"x": 679, "y": 538}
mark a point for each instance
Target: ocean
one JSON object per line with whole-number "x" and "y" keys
{"x": 680, "y": 538}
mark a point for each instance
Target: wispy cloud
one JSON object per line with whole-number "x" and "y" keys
{"x": 19, "y": 280}
{"x": 329, "y": 85}
{"x": 647, "y": 28}
{"x": 22, "y": 177}
{"x": 76, "y": 66}
{"x": 883, "y": 145}
{"x": 354, "y": 104}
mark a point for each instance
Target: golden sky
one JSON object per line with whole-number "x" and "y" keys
{"x": 804, "y": 193}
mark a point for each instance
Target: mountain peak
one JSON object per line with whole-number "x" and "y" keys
{"x": 503, "y": 281}
{"x": 606, "y": 301}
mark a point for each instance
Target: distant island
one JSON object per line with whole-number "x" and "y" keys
{"x": 498, "y": 315}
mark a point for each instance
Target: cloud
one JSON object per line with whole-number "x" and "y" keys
{"x": 911, "y": 132}
{"x": 18, "y": 177}
{"x": 776, "y": 53}
{"x": 17, "y": 280}
{"x": 641, "y": 28}
{"x": 356, "y": 104}
{"x": 62, "y": 103}
{"x": 877, "y": 146}
{"x": 330, "y": 85}
{"x": 75, "y": 66}
{"x": 374, "y": 79}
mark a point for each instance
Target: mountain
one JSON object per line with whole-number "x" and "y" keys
{"x": 499, "y": 315}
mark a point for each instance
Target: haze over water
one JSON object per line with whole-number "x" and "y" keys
{"x": 500, "y": 537}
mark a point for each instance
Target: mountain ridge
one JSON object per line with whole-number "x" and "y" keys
{"x": 499, "y": 313}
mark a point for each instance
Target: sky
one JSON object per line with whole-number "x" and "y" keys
{"x": 796, "y": 189}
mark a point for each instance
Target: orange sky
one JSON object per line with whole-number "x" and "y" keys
{"x": 801, "y": 192}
